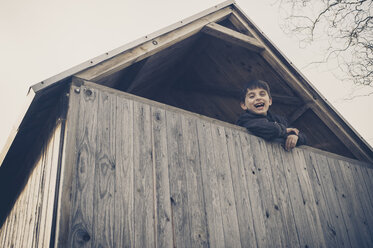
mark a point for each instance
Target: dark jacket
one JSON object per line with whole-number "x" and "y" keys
{"x": 270, "y": 127}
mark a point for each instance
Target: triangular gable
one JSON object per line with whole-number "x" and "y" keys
{"x": 206, "y": 49}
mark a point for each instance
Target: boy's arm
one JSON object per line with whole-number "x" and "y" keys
{"x": 263, "y": 128}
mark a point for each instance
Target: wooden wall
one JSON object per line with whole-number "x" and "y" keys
{"x": 29, "y": 223}
{"x": 136, "y": 173}
{"x": 144, "y": 174}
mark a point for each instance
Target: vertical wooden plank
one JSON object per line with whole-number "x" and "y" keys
{"x": 224, "y": 180}
{"x": 42, "y": 222}
{"x": 82, "y": 209}
{"x": 37, "y": 173}
{"x": 336, "y": 227}
{"x": 52, "y": 185}
{"x": 29, "y": 214}
{"x": 19, "y": 208}
{"x": 163, "y": 227}
{"x": 210, "y": 185}
{"x": 366, "y": 173}
{"x": 255, "y": 195}
{"x": 345, "y": 201}
{"x": 241, "y": 191}
{"x": 271, "y": 216}
{"x": 360, "y": 203}
{"x": 105, "y": 167}
{"x": 282, "y": 195}
{"x": 178, "y": 183}
{"x": 69, "y": 159}
{"x": 192, "y": 165}
{"x": 124, "y": 235}
{"x": 332, "y": 222}
{"x": 363, "y": 194}
{"x": 143, "y": 177}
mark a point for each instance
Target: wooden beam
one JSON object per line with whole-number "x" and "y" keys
{"x": 298, "y": 113}
{"x": 237, "y": 24}
{"x": 150, "y": 47}
{"x": 233, "y": 37}
{"x": 337, "y": 124}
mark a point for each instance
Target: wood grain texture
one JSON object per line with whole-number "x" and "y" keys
{"x": 82, "y": 209}
{"x": 196, "y": 201}
{"x": 104, "y": 169}
{"x": 124, "y": 222}
{"x": 344, "y": 198}
{"x": 284, "y": 205}
{"x": 163, "y": 224}
{"x": 361, "y": 207}
{"x": 225, "y": 187}
{"x": 258, "y": 209}
{"x": 240, "y": 188}
{"x": 143, "y": 177}
{"x": 263, "y": 171}
{"x": 335, "y": 229}
{"x": 210, "y": 185}
{"x": 178, "y": 183}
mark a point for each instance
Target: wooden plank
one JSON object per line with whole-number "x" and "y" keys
{"x": 105, "y": 169}
{"x": 224, "y": 180}
{"x": 367, "y": 175}
{"x": 334, "y": 226}
{"x": 263, "y": 171}
{"x": 29, "y": 213}
{"x": 143, "y": 177}
{"x": 238, "y": 25}
{"x": 178, "y": 183}
{"x": 363, "y": 194}
{"x": 241, "y": 192}
{"x": 52, "y": 186}
{"x": 192, "y": 165}
{"x": 68, "y": 160}
{"x": 82, "y": 209}
{"x": 283, "y": 198}
{"x": 150, "y": 47}
{"x": 262, "y": 232}
{"x": 360, "y": 203}
{"x": 35, "y": 204}
{"x": 233, "y": 37}
{"x": 210, "y": 185}
{"x": 163, "y": 233}
{"x": 124, "y": 222}
{"x": 47, "y": 168}
{"x": 353, "y": 225}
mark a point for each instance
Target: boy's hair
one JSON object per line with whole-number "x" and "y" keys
{"x": 254, "y": 84}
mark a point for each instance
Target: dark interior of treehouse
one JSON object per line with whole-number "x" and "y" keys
{"x": 204, "y": 74}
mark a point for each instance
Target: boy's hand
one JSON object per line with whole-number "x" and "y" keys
{"x": 291, "y": 142}
{"x": 291, "y": 129}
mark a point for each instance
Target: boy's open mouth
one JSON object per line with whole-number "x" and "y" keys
{"x": 259, "y": 105}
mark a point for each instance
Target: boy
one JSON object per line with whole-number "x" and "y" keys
{"x": 256, "y": 100}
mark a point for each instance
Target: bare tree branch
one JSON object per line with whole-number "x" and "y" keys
{"x": 346, "y": 24}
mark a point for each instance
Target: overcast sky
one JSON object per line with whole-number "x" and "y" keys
{"x": 42, "y": 38}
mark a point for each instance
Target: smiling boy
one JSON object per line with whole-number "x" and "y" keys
{"x": 256, "y": 100}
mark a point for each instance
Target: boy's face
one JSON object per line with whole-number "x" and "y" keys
{"x": 257, "y": 101}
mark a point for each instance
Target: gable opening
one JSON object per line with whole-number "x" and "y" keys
{"x": 204, "y": 74}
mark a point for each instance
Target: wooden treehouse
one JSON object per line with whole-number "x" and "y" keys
{"x": 138, "y": 147}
